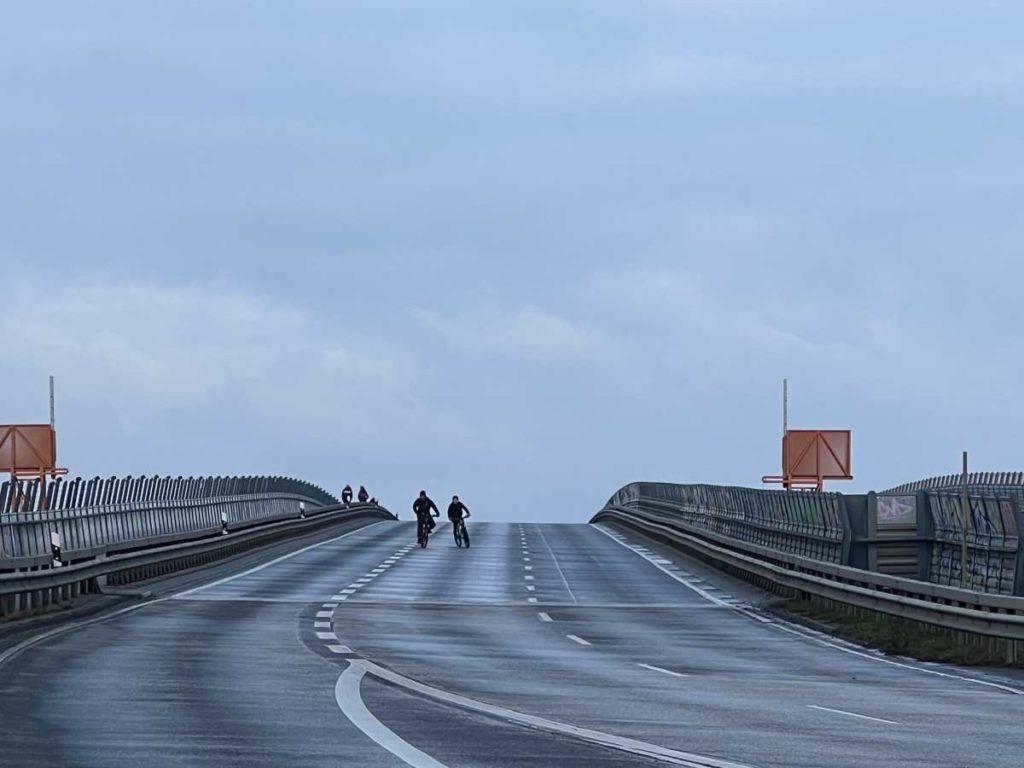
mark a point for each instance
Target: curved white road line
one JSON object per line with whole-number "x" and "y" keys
{"x": 620, "y": 743}
{"x": 350, "y": 701}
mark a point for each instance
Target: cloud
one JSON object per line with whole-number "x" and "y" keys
{"x": 202, "y": 352}
{"x": 529, "y": 333}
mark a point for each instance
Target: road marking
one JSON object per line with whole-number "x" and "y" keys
{"x": 621, "y": 743}
{"x": 852, "y": 714}
{"x": 24, "y": 645}
{"x": 275, "y": 561}
{"x": 531, "y": 599}
{"x": 349, "y": 591}
{"x": 329, "y": 605}
{"x": 339, "y": 649}
{"x": 530, "y": 578}
{"x": 527, "y": 567}
{"x": 685, "y": 582}
{"x": 831, "y": 642}
{"x": 530, "y": 587}
{"x": 321, "y": 625}
{"x": 555, "y": 559}
{"x": 526, "y": 559}
{"x": 579, "y": 640}
{"x": 663, "y": 671}
{"x": 544, "y": 616}
{"x": 350, "y": 701}
{"x": 325, "y": 636}
{"x": 324, "y": 614}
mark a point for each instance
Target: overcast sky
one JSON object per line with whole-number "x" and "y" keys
{"x": 524, "y": 251}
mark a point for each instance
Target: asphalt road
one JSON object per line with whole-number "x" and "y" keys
{"x": 540, "y": 645}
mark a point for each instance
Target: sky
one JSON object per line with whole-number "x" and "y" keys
{"x": 526, "y": 252}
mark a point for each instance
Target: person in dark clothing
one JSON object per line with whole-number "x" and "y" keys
{"x": 363, "y": 495}
{"x": 346, "y": 495}
{"x": 424, "y": 516}
{"x": 457, "y": 513}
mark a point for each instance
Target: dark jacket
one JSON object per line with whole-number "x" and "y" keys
{"x": 422, "y": 506}
{"x": 363, "y": 495}
{"x": 457, "y": 510}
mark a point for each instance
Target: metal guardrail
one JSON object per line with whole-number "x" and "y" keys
{"x": 809, "y": 524}
{"x": 25, "y": 537}
{"x": 998, "y": 617}
{"x": 23, "y": 591}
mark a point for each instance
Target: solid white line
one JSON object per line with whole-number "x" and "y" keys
{"x": 555, "y": 559}
{"x": 702, "y": 592}
{"x": 830, "y": 642}
{"x": 13, "y": 651}
{"x": 350, "y": 701}
{"x": 579, "y": 640}
{"x": 276, "y": 560}
{"x": 664, "y": 671}
{"x": 853, "y": 714}
{"x": 544, "y": 616}
{"x": 621, "y": 743}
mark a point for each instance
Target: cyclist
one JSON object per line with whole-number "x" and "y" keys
{"x": 424, "y": 517}
{"x": 346, "y": 495}
{"x": 364, "y": 496}
{"x": 457, "y": 513}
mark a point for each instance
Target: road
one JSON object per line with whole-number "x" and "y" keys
{"x": 540, "y": 645}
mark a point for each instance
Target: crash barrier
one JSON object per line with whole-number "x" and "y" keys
{"x": 60, "y": 493}
{"x": 977, "y": 618}
{"x": 42, "y": 587}
{"x": 814, "y": 525}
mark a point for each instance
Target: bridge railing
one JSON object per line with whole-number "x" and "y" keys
{"x": 810, "y": 524}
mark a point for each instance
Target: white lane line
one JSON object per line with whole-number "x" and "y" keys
{"x": 830, "y": 642}
{"x": 852, "y": 714}
{"x": 367, "y": 580}
{"x": 544, "y": 616}
{"x": 686, "y": 583}
{"x": 530, "y": 578}
{"x": 530, "y": 567}
{"x": 531, "y": 587}
{"x": 341, "y": 598}
{"x": 663, "y": 671}
{"x": 350, "y": 702}
{"x": 326, "y": 636}
{"x": 526, "y": 559}
{"x": 577, "y": 639}
{"x": 324, "y": 614}
{"x": 339, "y": 649}
{"x": 621, "y": 743}
{"x": 352, "y": 591}
{"x": 555, "y": 559}
{"x": 531, "y": 599}
{"x": 329, "y": 605}
{"x": 275, "y": 561}
{"x": 321, "y": 625}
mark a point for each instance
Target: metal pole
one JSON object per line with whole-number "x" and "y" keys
{"x": 785, "y": 406}
{"x": 53, "y": 422}
{"x": 964, "y": 505}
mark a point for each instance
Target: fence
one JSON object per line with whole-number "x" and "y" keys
{"x": 62, "y": 494}
{"x": 807, "y": 523}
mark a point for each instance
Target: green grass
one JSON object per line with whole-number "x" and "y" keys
{"x": 896, "y": 636}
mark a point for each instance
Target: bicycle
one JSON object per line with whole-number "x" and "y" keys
{"x": 460, "y": 532}
{"x": 423, "y": 531}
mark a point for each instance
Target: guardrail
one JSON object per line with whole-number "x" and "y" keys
{"x": 995, "y": 619}
{"x": 24, "y": 591}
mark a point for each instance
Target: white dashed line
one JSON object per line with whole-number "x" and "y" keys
{"x": 530, "y": 578}
{"x": 339, "y": 649}
{"x": 330, "y": 605}
{"x": 321, "y": 625}
{"x": 530, "y": 587}
{"x": 544, "y": 616}
{"x": 527, "y": 567}
{"x": 663, "y": 671}
{"x": 579, "y": 640}
{"x": 326, "y": 636}
{"x": 531, "y": 599}
{"x": 324, "y": 614}
{"x": 348, "y": 591}
{"x": 852, "y": 714}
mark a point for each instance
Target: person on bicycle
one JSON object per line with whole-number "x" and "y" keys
{"x": 364, "y": 495}
{"x": 457, "y": 513}
{"x": 346, "y": 495}
{"x": 424, "y": 516}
